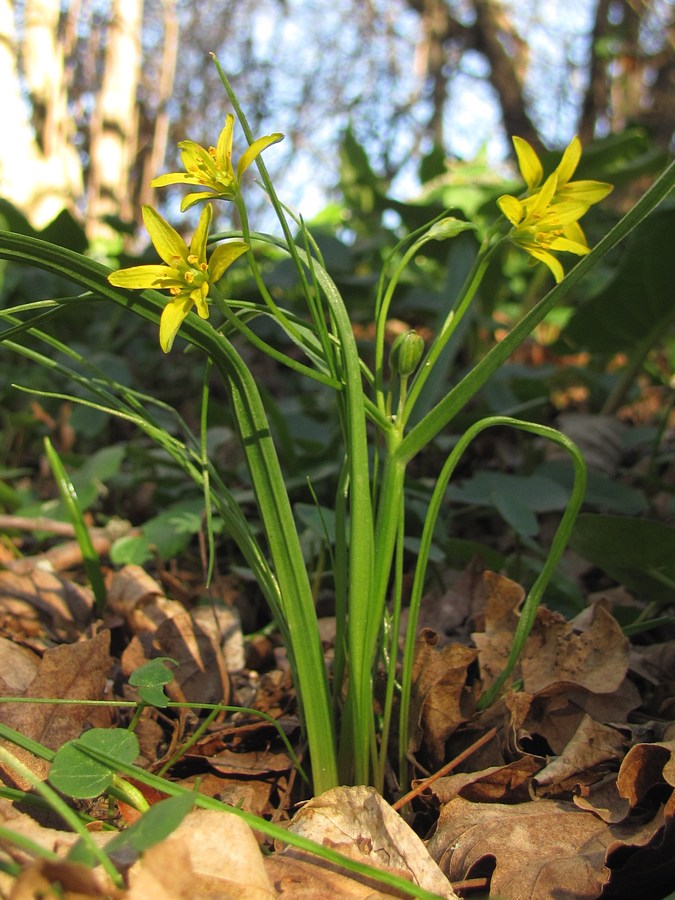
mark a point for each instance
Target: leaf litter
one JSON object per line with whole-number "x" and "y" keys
{"x": 564, "y": 787}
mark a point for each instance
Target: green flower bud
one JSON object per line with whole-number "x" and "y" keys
{"x": 406, "y": 352}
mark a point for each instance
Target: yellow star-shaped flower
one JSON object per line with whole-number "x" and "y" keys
{"x": 187, "y": 274}
{"x": 212, "y": 169}
{"x": 546, "y": 219}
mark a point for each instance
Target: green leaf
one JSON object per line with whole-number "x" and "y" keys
{"x": 77, "y": 775}
{"x": 160, "y": 821}
{"x": 638, "y": 553}
{"x": 150, "y": 679}
{"x": 637, "y": 302}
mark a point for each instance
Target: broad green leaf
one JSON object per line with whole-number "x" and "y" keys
{"x": 150, "y": 680}
{"x": 637, "y": 302}
{"x": 76, "y": 774}
{"x": 638, "y": 553}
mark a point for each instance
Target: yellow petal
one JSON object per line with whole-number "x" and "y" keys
{"x": 197, "y": 160}
{"x": 568, "y": 246}
{"x": 574, "y": 232}
{"x": 224, "y": 145}
{"x": 511, "y": 207}
{"x": 588, "y": 192}
{"x": 201, "y": 235}
{"x": 141, "y": 277}
{"x": 198, "y": 297}
{"x": 171, "y": 319}
{"x": 223, "y": 257}
{"x": 569, "y": 161}
{"x": 168, "y": 243}
{"x": 174, "y": 178}
{"x": 528, "y": 163}
{"x": 255, "y": 150}
{"x": 190, "y": 199}
{"x": 549, "y": 260}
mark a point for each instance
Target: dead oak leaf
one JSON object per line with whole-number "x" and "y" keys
{"x": 67, "y": 672}
{"x": 558, "y": 654}
{"x": 541, "y": 850}
{"x": 591, "y": 746}
{"x": 440, "y": 700}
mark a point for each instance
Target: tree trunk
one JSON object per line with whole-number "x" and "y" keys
{"x": 40, "y": 170}
{"x": 114, "y": 127}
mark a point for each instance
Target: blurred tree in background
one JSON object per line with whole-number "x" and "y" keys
{"x": 98, "y": 91}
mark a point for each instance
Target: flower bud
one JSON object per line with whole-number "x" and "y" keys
{"x": 406, "y": 352}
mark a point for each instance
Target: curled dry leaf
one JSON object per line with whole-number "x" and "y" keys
{"x": 542, "y": 850}
{"x": 440, "y": 699}
{"x": 359, "y": 823}
{"x": 67, "y": 672}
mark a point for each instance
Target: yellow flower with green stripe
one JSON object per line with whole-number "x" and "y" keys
{"x": 546, "y": 220}
{"x": 211, "y": 169}
{"x": 187, "y": 273}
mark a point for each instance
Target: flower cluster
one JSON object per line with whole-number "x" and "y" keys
{"x": 187, "y": 273}
{"x": 546, "y": 220}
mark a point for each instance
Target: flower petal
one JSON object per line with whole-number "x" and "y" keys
{"x": 569, "y": 161}
{"x": 565, "y": 244}
{"x": 574, "y": 232}
{"x": 224, "y": 145}
{"x": 168, "y": 243}
{"x": 512, "y": 208}
{"x": 190, "y": 199}
{"x": 172, "y": 316}
{"x": 549, "y": 260}
{"x": 223, "y": 257}
{"x": 528, "y": 163}
{"x": 141, "y": 277}
{"x": 201, "y": 235}
{"x": 174, "y": 178}
{"x": 588, "y": 192}
{"x": 255, "y": 150}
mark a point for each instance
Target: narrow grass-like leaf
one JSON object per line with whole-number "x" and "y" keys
{"x": 90, "y": 558}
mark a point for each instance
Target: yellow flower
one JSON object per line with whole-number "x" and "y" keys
{"x": 187, "y": 274}
{"x": 212, "y": 169}
{"x": 546, "y": 219}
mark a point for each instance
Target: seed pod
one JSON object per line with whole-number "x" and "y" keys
{"x": 406, "y": 352}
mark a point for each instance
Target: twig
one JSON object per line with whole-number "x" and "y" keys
{"x": 448, "y": 767}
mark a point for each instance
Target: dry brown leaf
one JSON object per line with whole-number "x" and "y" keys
{"x": 540, "y": 849}
{"x": 507, "y": 784}
{"x": 592, "y": 745}
{"x": 357, "y": 822}
{"x": 502, "y": 599}
{"x": 602, "y": 798}
{"x": 644, "y": 767}
{"x": 68, "y": 672}
{"x": 557, "y": 654}
{"x": 200, "y": 676}
{"x": 65, "y": 605}
{"x": 222, "y": 856}
{"x": 440, "y": 701}
{"x": 18, "y": 666}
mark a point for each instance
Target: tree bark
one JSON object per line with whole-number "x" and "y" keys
{"x": 114, "y": 128}
{"x": 40, "y": 171}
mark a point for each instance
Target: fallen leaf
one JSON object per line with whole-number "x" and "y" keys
{"x": 558, "y": 653}
{"x": 440, "y": 700}
{"x": 592, "y": 745}
{"x": 67, "y": 672}
{"x": 360, "y": 824}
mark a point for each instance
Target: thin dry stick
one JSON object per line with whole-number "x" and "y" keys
{"x": 448, "y": 767}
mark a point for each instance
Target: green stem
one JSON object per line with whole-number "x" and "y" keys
{"x": 444, "y": 411}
